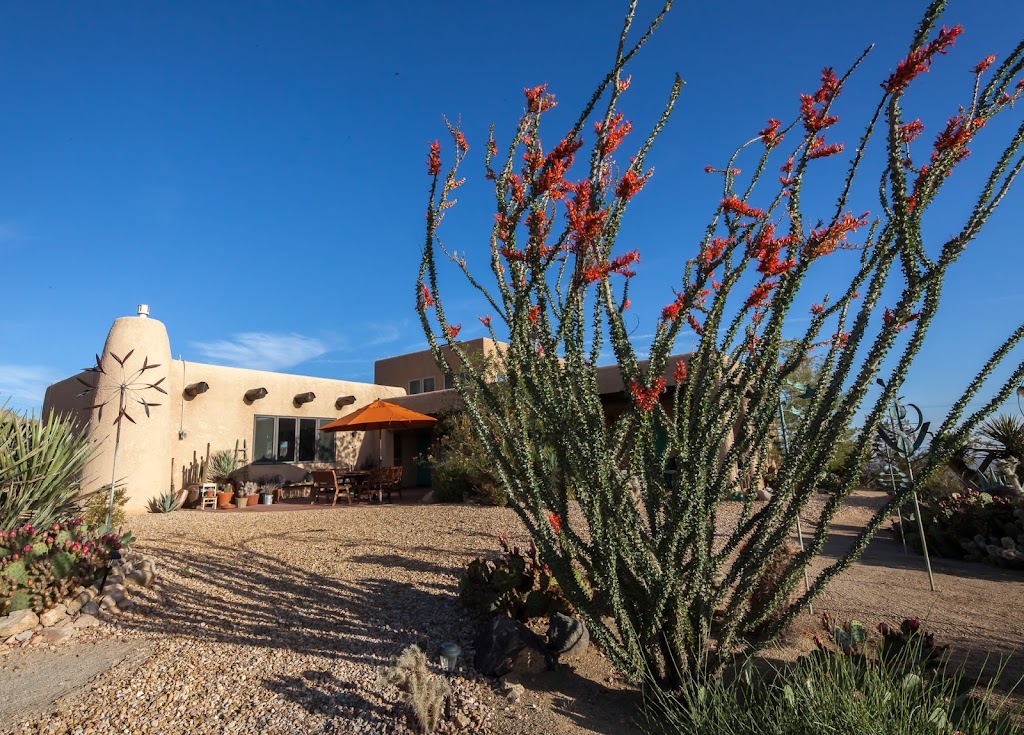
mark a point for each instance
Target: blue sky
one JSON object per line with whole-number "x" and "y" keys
{"x": 255, "y": 172}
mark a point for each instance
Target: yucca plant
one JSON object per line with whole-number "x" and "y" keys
{"x": 221, "y": 465}
{"x": 41, "y": 463}
{"x": 678, "y": 578}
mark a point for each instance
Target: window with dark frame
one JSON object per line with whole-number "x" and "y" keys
{"x": 291, "y": 439}
{"x": 428, "y": 385}
{"x": 414, "y": 387}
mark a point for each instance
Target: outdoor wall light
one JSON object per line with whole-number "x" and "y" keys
{"x": 255, "y": 394}
{"x": 307, "y": 397}
{"x": 344, "y": 401}
{"x": 1020, "y": 394}
{"x": 196, "y": 388}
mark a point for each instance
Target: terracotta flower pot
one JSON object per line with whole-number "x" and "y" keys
{"x": 224, "y": 499}
{"x": 253, "y": 500}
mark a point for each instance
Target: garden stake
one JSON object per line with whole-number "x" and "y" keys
{"x": 799, "y": 528}
{"x": 128, "y": 386}
{"x": 906, "y": 445}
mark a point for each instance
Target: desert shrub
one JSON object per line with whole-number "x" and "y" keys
{"x": 971, "y": 525}
{"x": 97, "y": 504}
{"x": 41, "y": 463}
{"x": 459, "y": 469}
{"x": 40, "y": 567}
{"x": 558, "y": 292}
{"x": 518, "y": 585}
{"x": 900, "y": 686}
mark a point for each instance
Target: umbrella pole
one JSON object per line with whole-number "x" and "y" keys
{"x": 380, "y": 463}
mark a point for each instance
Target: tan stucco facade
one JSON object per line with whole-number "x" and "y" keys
{"x": 402, "y": 370}
{"x": 153, "y": 450}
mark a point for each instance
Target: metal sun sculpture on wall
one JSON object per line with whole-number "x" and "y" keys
{"x": 904, "y": 435}
{"x": 129, "y": 388}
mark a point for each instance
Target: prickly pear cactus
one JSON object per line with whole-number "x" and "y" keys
{"x": 517, "y": 585}
{"x": 40, "y": 567}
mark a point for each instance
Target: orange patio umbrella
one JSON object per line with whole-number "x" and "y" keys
{"x": 377, "y": 416}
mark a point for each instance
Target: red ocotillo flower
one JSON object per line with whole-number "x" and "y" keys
{"x": 610, "y": 137}
{"x": 555, "y": 521}
{"x": 485, "y": 320}
{"x": 453, "y": 330}
{"x": 428, "y": 300}
{"x": 920, "y": 60}
{"x": 434, "y": 159}
{"x": 741, "y": 208}
{"x": 770, "y": 135}
{"x": 537, "y": 99}
{"x": 647, "y": 398}
{"x": 984, "y": 64}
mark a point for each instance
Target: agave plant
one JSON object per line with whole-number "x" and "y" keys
{"x": 167, "y": 502}
{"x": 41, "y": 462}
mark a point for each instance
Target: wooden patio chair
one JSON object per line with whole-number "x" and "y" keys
{"x": 386, "y": 480}
{"x": 325, "y": 481}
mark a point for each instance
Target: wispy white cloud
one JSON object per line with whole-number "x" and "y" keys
{"x": 262, "y": 350}
{"x": 24, "y": 385}
{"x": 384, "y": 333}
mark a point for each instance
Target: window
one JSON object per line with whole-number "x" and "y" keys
{"x": 414, "y": 387}
{"x": 428, "y": 385}
{"x": 291, "y": 439}
{"x": 449, "y": 381}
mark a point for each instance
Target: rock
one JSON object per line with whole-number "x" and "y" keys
{"x": 567, "y": 636}
{"x": 90, "y": 609}
{"x": 147, "y": 565}
{"x": 24, "y": 636}
{"x": 109, "y": 603}
{"x": 116, "y": 592}
{"x": 499, "y": 643}
{"x": 140, "y": 578}
{"x": 73, "y": 606}
{"x": 763, "y": 494}
{"x": 54, "y": 615}
{"x": 515, "y": 692}
{"x": 17, "y": 622}
{"x": 58, "y": 634}
{"x": 531, "y": 661}
{"x": 125, "y": 603}
{"x": 86, "y": 621}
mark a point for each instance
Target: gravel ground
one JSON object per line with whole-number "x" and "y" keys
{"x": 278, "y": 622}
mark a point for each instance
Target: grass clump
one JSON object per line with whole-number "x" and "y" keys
{"x": 906, "y": 686}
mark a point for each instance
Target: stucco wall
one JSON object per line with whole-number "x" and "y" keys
{"x": 399, "y": 370}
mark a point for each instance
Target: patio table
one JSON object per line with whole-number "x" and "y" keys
{"x": 352, "y": 478}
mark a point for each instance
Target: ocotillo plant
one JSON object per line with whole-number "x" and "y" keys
{"x": 679, "y": 595}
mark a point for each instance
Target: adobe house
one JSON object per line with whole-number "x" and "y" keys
{"x": 270, "y": 419}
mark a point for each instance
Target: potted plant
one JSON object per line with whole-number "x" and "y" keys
{"x": 268, "y": 491}
{"x": 224, "y": 494}
{"x": 243, "y": 492}
{"x": 218, "y": 470}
